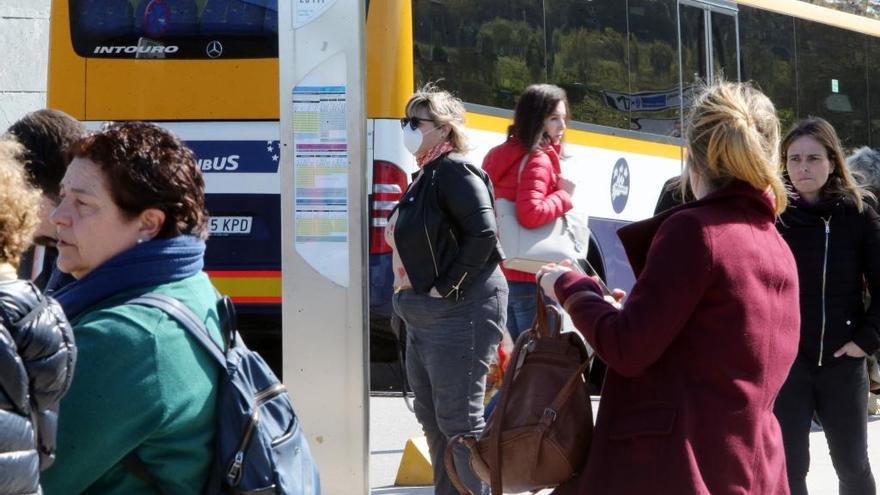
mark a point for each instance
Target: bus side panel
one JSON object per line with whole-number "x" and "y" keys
{"x": 66, "y": 88}
{"x": 182, "y": 89}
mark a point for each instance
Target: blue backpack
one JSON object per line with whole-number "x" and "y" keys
{"x": 260, "y": 447}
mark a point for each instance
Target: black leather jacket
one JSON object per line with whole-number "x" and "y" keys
{"x": 837, "y": 250}
{"x": 37, "y": 357}
{"x": 446, "y": 231}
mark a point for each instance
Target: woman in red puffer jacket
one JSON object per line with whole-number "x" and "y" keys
{"x": 541, "y": 194}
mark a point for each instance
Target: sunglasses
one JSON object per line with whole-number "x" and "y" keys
{"x": 412, "y": 122}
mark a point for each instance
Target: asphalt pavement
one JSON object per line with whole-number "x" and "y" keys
{"x": 391, "y": 424}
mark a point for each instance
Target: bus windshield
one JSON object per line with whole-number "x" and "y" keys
{"x": 179, "y": 29}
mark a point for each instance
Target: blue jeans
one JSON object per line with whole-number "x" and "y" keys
{"x": 449, "y": 346}
{"x": 521, "y": 307}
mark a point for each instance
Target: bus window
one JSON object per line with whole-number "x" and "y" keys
{"x": 692, "y": 33}
{"x": 724, "y": 47}
{"x": 485, "y": 52}
{"x": 768, "y": 56}
{"x": 190, "y": 29}
{"x": 653, "y": 60}
{"x": 586, "y": 55}
{"x": 832, "y": 78}
{"x": 874, "y": 96}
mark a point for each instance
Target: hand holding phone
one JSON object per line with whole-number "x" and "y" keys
{"x": 612, "y": 296}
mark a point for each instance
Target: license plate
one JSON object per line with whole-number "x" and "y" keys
{"x": 231, "y": 225}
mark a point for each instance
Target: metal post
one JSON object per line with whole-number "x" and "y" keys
{"x": 324, "y": 266}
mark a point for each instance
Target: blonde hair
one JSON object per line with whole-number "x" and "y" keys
{"x": 841, "y": 181}
{"x": 19, "y": 204}
{"x": 733, "y": 133}
{"x": 444, "y": 109}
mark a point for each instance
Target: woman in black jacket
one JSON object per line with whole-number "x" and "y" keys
{"x": 449, "y": 289}
{"x": 36, "y": 343}
{"x": 835, "y": 238}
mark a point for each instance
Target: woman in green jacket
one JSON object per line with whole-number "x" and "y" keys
{"x": 132, "y": 221}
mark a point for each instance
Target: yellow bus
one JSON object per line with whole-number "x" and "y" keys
{"x": 207, "y": 69}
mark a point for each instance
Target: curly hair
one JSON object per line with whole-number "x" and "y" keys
{"x": 146, "y": 166}
{"x": 19, "y": 204}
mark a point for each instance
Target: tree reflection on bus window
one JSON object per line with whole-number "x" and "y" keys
{"x": 768, "y": 57}
{"x": 832, "y": 78}
{"x": 653, "y": 59}
{"x": 874, "y": 97}
{"x": 724, "y": 61}
{"x": 694, "y": 71}
{"x": 587, "y": 56}
{"x": 485, "y": 52}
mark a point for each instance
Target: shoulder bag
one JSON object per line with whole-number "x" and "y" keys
{"x": 527, "y": 250}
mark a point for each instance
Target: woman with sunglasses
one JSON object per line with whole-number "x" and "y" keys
{"x": 449, "y": 289}
{"x": 525, "y": 169}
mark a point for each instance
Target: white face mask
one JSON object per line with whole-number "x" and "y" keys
{"x": 412, "y": 138}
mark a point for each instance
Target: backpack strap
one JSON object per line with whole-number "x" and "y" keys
{"x": 185, "y": 317}
{"x": 197, "y": 330}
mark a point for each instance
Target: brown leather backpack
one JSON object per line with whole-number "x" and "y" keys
{"x": 539, "y": 433}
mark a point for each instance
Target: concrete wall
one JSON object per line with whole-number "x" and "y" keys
{"x": 24, "y": 46}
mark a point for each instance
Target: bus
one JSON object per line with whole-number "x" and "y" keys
{"x": 207, "y": 69}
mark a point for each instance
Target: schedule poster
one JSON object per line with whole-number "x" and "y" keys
{"x": 321, "y": 177}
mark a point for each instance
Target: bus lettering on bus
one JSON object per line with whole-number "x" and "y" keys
{"x": 219, "y": 163}
{"x": 141, "y": 50}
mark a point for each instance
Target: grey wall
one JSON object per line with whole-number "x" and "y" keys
{"x": 24, "y": 46}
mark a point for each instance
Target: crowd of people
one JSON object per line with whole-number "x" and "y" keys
{"x": 750, "y": 317}
{"x": 750, "y": 320}
{"x": 101, "y": 218}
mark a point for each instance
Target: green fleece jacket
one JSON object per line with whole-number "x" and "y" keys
{"x": 142, "y": 384}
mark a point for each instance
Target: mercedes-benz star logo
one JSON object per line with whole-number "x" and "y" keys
{"x": 214, "y": 49}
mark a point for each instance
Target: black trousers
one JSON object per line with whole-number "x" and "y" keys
{"x": 838, "y": 394}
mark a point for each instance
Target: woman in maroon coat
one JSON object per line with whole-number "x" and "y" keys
{"x": 699, "y": 352}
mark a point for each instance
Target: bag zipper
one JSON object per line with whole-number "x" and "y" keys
{"x": 233, "y": 473}
{"x": 824, "y": 279}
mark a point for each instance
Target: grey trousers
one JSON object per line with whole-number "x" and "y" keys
{"x": 449, "y": 346}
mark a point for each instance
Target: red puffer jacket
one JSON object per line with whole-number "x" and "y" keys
{"x": 538, "y": 198}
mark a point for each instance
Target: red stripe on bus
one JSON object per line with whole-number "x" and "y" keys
{"x": 256, "y": 300}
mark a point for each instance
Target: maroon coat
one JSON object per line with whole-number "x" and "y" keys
{"x": 696, "y": 356}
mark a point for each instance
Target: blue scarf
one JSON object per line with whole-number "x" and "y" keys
{"x": 145, "y": 265}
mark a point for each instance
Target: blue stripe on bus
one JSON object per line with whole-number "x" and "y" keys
{"x": 216, "y": 157}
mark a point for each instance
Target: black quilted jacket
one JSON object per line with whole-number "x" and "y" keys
{"x": 837, "y": 250}
{"x": 37, "y": 356}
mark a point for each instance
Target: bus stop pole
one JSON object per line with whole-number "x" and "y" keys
{"x": 324, "y": 247}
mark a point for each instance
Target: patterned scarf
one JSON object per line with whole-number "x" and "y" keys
{"x": 432, "y": 154}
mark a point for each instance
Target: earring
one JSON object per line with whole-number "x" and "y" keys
{"x": 140, "y": 241}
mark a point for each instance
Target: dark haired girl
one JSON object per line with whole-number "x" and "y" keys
{"x": 540, "y": 192}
